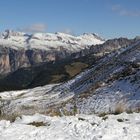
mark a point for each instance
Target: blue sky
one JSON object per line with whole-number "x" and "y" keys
{"x": 108, "y": 18}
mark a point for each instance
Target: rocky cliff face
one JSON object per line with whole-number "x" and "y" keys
{"x": 11, "y": 60}
{"x": 4, "y": 63}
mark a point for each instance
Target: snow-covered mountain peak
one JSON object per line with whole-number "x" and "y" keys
{"x": 62, "y": 34}
{"x": 92, "y": 35}
{"x": 137, "y": 38}
{"x": 48, "y": 41}
{"x": 11, "y": 33}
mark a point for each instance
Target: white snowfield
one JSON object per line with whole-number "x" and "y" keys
{"x": 48, "y": 41}
{"x": 79, "y": 127}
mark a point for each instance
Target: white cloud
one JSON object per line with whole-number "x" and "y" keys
{"x": 125, "y": 12}
{"x": 116, "y": 7}
{"x": 67, "y": 31}
{"x": 39, "y": 27}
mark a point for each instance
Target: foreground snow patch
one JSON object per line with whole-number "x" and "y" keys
{"x": 80, "y": 127}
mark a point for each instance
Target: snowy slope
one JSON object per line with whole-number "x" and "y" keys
{"x": 48, "y": 41}
{"x": 114, "y": 81}
{"x": 79, "y": 127}
{"x": 121, "y": 95}
{"x": 32, "y": 100}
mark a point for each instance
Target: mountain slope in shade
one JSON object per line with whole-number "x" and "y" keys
{"x": 61, "y": 70}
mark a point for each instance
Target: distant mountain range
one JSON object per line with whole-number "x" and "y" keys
{"x": 19, "y": 49}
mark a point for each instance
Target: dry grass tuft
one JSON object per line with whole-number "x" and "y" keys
{"x": 38, "y": 124}
{"x": 120, "y": 108}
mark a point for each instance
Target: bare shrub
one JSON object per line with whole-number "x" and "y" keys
{"x": 120, "y": 108}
